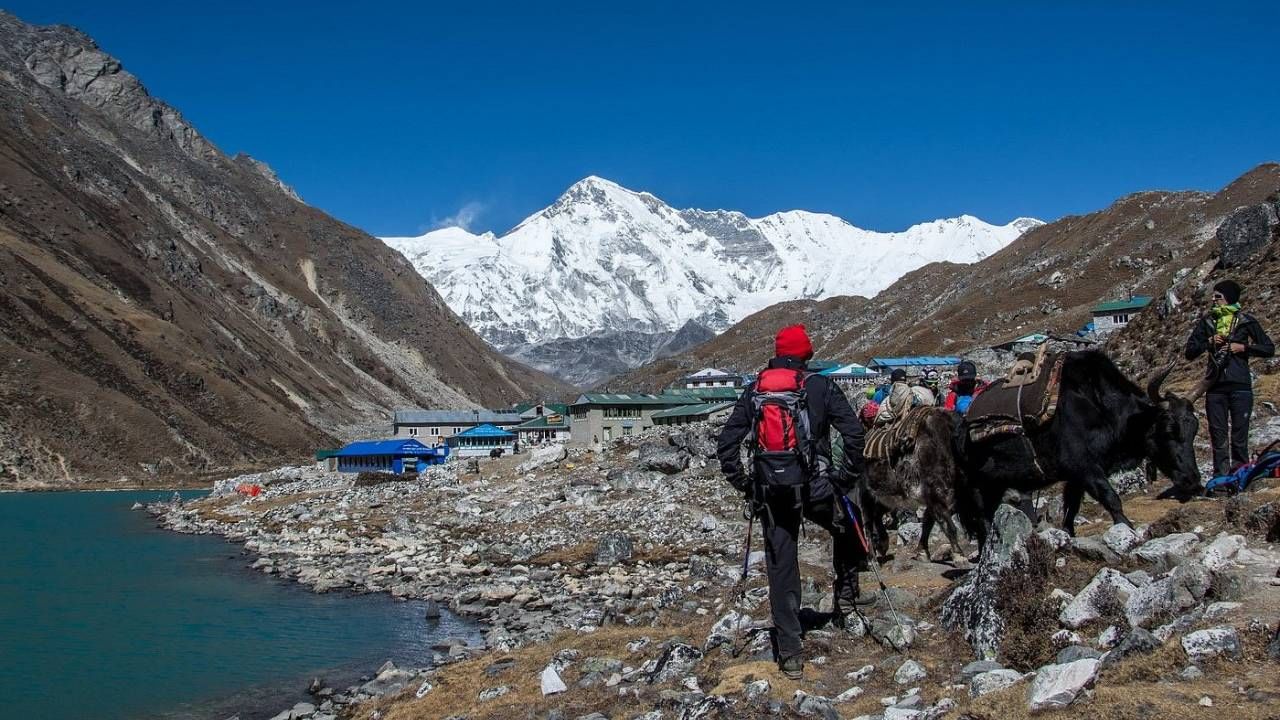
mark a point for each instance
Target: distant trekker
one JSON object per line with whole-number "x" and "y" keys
{"x": 964, "y": 388}
{"x": 786, "y": 417}
{"x": 899, "y": 400}
{"x": 1231, "y": 337}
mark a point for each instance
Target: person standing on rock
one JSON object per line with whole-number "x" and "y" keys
{"x": 785, "y": 417}
{"x": 1230, "y": 337}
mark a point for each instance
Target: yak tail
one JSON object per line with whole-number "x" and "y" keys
{"x": 967, "y": 504}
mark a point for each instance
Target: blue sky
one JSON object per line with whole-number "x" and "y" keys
{"x": 396, "y": 117}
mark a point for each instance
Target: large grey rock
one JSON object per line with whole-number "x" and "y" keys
{"x": 977, "y": 667}
{"x": 1137, "y": 642}
{"x": 1093, "y": 548}
{"x": 389, "y": 680}
{"x": 541, "y": 457}
{"x": 1181, "y": 589}
{"x": 663, "y": 458}
{"x": 1169, "y": 550}
{"x": 675, "y": 662}
{"x": 807, "y": 705}
{"x": 895, "y": 631}
{"x": 1121, "y": 538}
{"x": 613, "y": 548}
{"x": 1245, "y": 232}
{"x": 1207, "y": 644}
{"x": 993, "y": 681}
{"x": 1219, "y": 554}
{"x": 909, "y": 673}
{"x": 971, "y": 607}
{"x": 1057, "y": 686}
{"x": 551, "y": 681}
{"x": 1089, "y": 604}
{"x": 1072, "y": 653}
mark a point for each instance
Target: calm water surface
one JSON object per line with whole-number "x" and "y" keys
{"x": 103, "y": 615}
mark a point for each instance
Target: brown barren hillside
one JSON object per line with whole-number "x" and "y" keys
{"x": 167, "y": 310}
{"x": 1045, "y": 280}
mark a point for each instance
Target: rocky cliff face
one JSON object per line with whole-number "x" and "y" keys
{"x": 1045, "y": 281}
{"x": 167, "y": 310}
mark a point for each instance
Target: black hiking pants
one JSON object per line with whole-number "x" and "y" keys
{"x": 781, "y": 524}
{"x": 1230, "y": 408}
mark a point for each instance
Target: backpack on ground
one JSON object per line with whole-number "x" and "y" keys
{"x": 781, "y": 443}
{"x": 1267, "y": 464}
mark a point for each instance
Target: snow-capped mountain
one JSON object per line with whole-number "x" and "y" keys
{"x": 605, "y": 259}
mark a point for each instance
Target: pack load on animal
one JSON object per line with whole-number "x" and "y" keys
{"x": 891, "y": 442}
{"x": 781, "y": 438}
{"x": 1026, "y": 397}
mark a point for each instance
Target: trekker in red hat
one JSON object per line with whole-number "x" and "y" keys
{"x": 785, "y": 417}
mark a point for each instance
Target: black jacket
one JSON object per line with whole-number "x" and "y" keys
{"x": 1234, "y": 373}
{"x": 827, "y": 408}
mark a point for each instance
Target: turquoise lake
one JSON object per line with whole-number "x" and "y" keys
{"x": 104, "y": 615}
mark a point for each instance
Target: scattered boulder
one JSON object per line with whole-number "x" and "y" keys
{"x": 613, "y": 548}
{"x": 893, "y": 630}
{"x": 910, "y": 673}
{"x": 1181, "y": 589}
{"x": 1218, "y": 555}
{"x": 551, "y": 681}
{"x": 1246, "y": 231}
{"x": 1089, "y": 604}
{"x": 543, "y": 456}
{"x": 1120, "y": 538}
{"x": 977, "y": 667}
{"x": 807, "y": 705}
{"x": 1169, "y": 550}
{"x": 1205, "y": 645}
{"x": 971, "y": 607}
{"x": 675, "y": 662}
{"x": 663, "y": 458}
{"x": 1137, "y": 642}
{"x": 993, "y": 681}
{"x": 1072, "y": 653}
{"x": 1057, "y": 686}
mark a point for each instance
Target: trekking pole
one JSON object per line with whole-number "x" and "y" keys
{"x": 875, "y": 566}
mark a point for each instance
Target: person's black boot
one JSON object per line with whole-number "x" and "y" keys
{"x": 792, "y": 667}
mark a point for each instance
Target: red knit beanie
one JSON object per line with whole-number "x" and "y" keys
{"x": 792, "y": 341}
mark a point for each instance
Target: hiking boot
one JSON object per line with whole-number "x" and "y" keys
{"x": 792, "y": 667}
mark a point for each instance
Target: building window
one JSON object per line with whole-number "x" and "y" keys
{"x": 1120, "y": 319}
{"x": 435, "y": 431}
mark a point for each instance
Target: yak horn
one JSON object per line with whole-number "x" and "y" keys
{"x": 1153, "y": 387}
{"x": 1201, "y": 388}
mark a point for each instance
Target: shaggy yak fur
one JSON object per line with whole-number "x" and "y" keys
{"x": 1104, "y": 424}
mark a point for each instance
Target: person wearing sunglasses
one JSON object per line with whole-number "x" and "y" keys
{"x": 1230, "y": 337}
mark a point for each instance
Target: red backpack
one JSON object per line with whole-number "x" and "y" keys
{"x": 780, "y": 440}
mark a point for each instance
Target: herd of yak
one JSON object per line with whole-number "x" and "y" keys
{"x": 1104, "y": 424}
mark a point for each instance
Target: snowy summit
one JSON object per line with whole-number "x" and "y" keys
{"x": 605, "y": 259}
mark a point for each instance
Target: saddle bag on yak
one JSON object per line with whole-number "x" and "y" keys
{"x": 1027, "y": 397}
{"x": 781, "y": 442}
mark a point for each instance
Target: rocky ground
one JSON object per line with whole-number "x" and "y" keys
{"x": 608, "y": 582}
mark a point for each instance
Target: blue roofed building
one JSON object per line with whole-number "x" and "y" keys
{"x": 393, "y": 456}
{"x": 482, "y": 440}
{"x": 913, "y": 365}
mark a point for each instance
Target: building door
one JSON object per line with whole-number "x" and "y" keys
{"x": 608, "y": 434}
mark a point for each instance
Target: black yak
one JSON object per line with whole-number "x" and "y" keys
{"x": 1104, "y": 424}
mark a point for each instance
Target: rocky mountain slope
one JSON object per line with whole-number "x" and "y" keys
{"x": 167, "y": 310}
{"x": 1046, "y": 280}
{"x": 605, "y": 268}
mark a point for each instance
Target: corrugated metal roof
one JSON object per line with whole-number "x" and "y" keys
{"x": 460, "y": 417}
{"x": 914, "y": 361}
{"x": 693, "y": 410}
{"x": 383, "y": 447}
{"x": 635, "y": 399}
{"x": 710, "y": 393}
{"x": 485, "y": 430}
{"x": 1137, "y": 302}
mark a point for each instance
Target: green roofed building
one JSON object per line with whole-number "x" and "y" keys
{"x": 686, "y": 414}
{"x": 708, "y": 394}
{"x": 601, "y": 417}
{"x": 1111, "y": 316}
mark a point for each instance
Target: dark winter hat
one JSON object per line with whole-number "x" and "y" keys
{"x": 966, "y": 370}
{"x": 792, "y": 341}
{"x": 898, "y": 375}
{"x": 1230, "y": 290}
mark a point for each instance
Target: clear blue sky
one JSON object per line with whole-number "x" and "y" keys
{"x": 395, "y": 117}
